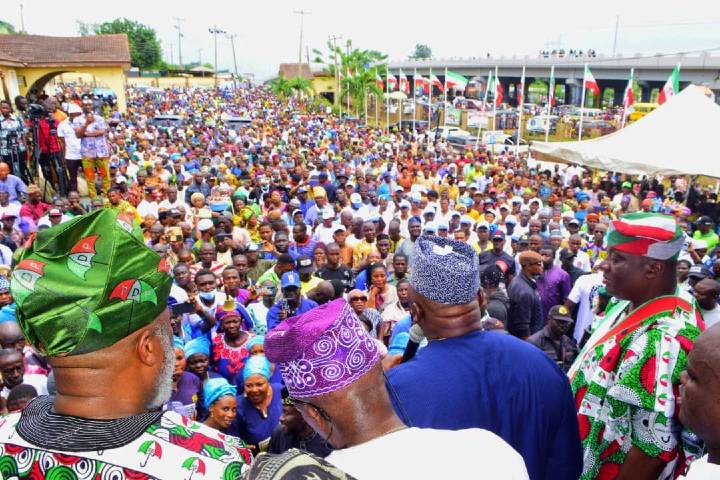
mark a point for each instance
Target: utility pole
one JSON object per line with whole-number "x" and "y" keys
{"x": 171, "y": 53}
{"x": 22, "y": 19}
{"x": 232, "y": 43}
{"x": 200, "y": 57}
{"x": 617, "y": 24}
{"x": 302, "y": 14}
{"x": 215, "y": 31}
{"x": 334, "y": 39}
{"x": 180, "y": 35}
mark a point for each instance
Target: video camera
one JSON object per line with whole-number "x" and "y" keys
{"x": 36, "y": 111}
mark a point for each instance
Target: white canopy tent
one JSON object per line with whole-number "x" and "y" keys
{"x": 681, "y": 137}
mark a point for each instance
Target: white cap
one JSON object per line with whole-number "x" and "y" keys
{"x": 516, "y": 200}
{"x": 443, "y": 226}
{"x": 120, "y": 178}
{"x": 511, "y": 219}
{"x": 328, "y": 214}
{"x": 467, "y": 219}
{"x": 462, "y": 184}
{"x": 429, "y": 209}
{"x": 74, "y": 108}
{"x": 355, "y": 198}
{"x": 430, "y": 227}
{"x": 404, "y": 204}
{"x": 339, "y": 228}
{"x": 482, "y": 224}
{"x": 205, "y": 224}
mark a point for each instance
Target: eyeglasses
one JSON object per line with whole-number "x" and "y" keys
{"x": 359, "y": 299}
{"x": 321, "y": 412}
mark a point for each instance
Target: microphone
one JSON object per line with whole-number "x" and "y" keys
{"x": 416, "y": 336}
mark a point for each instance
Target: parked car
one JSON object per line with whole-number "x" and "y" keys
{"x": 605, "y": 127}
{"x": 538, "y": 124}
{"x": 166, "y": 121}
{"x": 443, "y": 132}
{"x": 639, "y": 110}
{"x": 236, "y": 123}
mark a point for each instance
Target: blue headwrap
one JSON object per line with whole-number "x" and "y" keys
{"x": 178, "y": 343}
{"x": 256, "y": 340}
{"x": 256, "y": 364}
{"x": 215, "y": 388}
{"x": 4, "y": 284}
{"x": 197, "y": 345}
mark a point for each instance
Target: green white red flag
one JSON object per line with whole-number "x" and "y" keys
{"x": 498, "y": 91}
{"x": 590, "y": 83}
{"x": 437, "y": 83}
{"x": 671, "y": 87}
{"x": 392, "y": 82}
{"x": 629, "y": 97}
{"x": 422, "y": 82}
{"x": 551, "y": 87}
{"x": 404, "y": 84}
{"x": 455, "y": 81}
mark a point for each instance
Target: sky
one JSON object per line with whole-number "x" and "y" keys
{"x": 268, "y": 31}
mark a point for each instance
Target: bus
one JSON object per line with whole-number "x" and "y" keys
{"x": 641, "y": 109}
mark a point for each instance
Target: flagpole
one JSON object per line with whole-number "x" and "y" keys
{"x": 340, "y": 87}
{"x": 430, "y": 86}
{"x": 348, "y": 90}
{"x": 484, "y": 106}
{"x": 582, "y": 104}
{"x": 497, "y": 80}
{"x": 625, "y": 106}
{"x": 414, "y": 100}
{"x": 521, "y": 99}
{"x": 400, "y": 100}
{"x": 387, "y": 99}
{"x": 377, "y": 120}
{"x": 365, "y": 103}
{"x": 445, "y": 101}
{"x": 551, "y": 94}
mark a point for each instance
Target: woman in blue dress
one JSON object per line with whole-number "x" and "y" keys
{"x": 260, "y": 406}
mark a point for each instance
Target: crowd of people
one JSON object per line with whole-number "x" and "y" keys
{"x": 304, "y": 293}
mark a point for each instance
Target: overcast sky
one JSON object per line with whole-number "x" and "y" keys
{"x": 268, "y": 30}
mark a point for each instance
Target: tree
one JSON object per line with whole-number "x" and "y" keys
{"x": 422, "y": 52}
{"x": 301, "y": 87}
{"x": 6, "y": 27}
{"x": 280, "y": 87}
{"x": 358, "y": 70}
{"x": 145, "y": 51}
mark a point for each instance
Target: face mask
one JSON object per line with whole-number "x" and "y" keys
{"x": 207, "y": 296}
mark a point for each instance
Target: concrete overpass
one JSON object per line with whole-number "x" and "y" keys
{"x": 651, "y": 71}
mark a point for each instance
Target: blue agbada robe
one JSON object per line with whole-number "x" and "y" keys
{"x": 493, "y": 381}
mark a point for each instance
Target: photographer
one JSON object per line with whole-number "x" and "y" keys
{"x": 12, "y": 138}
{"x": 92, "y": 130}
{"x": 292, "y": 303}
{"x": 48, "y": 145}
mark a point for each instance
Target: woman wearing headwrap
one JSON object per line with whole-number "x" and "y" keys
{"x": 220, "y": 401}
{"x": 380, "y": 293}
{"x": 185, "y": 385}
{"x": 260, "y": 407}
{"x": 229, "y": 348}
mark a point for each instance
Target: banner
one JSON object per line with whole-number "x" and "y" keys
{"x": 477, "y": 119}
{"x": 452, "y": 116}
{"x": 491, "y": 137}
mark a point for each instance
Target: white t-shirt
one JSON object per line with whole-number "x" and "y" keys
{"x": 583, "y": 294}
{"x": 66, "y": 131}
{"x": 468, "y": 452}
{"x": 35, "y": 379}
{"x": 711, "y": 317}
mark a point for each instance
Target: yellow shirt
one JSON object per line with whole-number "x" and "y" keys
{"x": 361, "y": 251}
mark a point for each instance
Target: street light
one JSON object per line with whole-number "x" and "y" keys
{"x": 180, "y": 36}
{"x": 215, "y": 32}
{"x": 231, "y": 37}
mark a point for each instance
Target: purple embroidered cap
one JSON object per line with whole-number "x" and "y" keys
{"x": 322, "y": 350}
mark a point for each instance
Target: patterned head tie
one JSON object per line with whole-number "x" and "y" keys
{"x": 445, "y": 271}
{"x": 321, "y": 351}
{"x": 85, "y": 284}
{"x": 651, "y": 235}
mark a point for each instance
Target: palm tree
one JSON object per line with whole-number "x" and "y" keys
{"x": 280, "y": 87}
{"x": 6, "y": 27}
{"x": 357, "y": 69}
{"x": 301, "y": 86}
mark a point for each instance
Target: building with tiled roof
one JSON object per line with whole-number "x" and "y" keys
{"x": 29, "y": 62}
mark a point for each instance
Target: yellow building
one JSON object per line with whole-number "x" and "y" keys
{"x": 29, "y": 62}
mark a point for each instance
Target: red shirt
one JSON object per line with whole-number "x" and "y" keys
{"x": 48, "y": 143}
{"x": 34, "y": 211}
